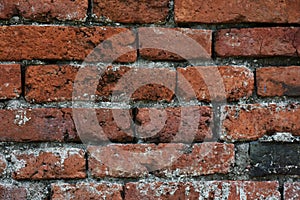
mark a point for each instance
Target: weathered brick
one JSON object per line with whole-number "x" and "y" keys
{"x": 292, "y": 191}
{"x": 52, "y": 163}
{"x": 252, "y": 121}
{"x": 278, "y": 81}
{"x": 174, "y": 124}
{"x": 49, "y": 83}
{"x": 174, "y": 44}
{"x": 11, "y": 192}
{"x": 44, "y": 10}
{"x": 258, "y": 42}
{"x": 272, "y": 158}
{"x": 97, "y": 126}
{"x": 67, "y": 43}
{"x": 40, "y": 124}
{"x": 56, "y": 83}
{"x": 10, "y": 81}
{"x": 137, "y": 160}
{"x": 231, "y": 11}
{"x": 137, "y": 84}
{"x": 3, "y": 164}
{"x": 51, "y": 124}
{"x": 131, "y": 11}
{"x": 80, "y": 191}
{"x": 220, "y": 83}
{"x": 231, "y": 190}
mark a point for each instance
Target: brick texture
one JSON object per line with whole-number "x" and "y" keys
{"x": 258, "y": 42}
{"x": 137, "y": 160}
{"x": 278, "y": 81}
{"x": 292, "y": 191}
{"x": 174, "y": 124}
{"x": 52, "y": 124}
{"x": 131, "y": 11}
{"x": 174, "y": 44}
{"x": 252, "y": 121}
{"x": 66, "y": 43}
{"x": 231, "y": 11}
{"x": 220, "y": 83}
{"x": 8, "y": 191}
{"x": 49, "y": 164}
{"x": 10, "y": 81}
{"x": 272, "y": 158}
{"x": 53, "y": 83}
{"x": 86, "y": 191}
{"x": 231, "y": 190}
{"x": 45, "y": 10}
{"x": 36, "y": 125}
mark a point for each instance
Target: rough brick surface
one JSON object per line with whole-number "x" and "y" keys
{"x": 292, "y": 191}
{"x": 138, "y": 84}
{"x": 45, "y": 10}
{"x": 131, "y": 11}
{"x": 231, "y": 190}
{"x": 52, "y": 83}
{"x": 3, "y": 164}
{"x": 174, "y": 124}
{"x": 231, "y": 11}
{"x": 103, "y": 125}
{"x": 10, "y": 81}
{"x": 86, "y": 191}
{"x": 137, "y": 160}
{"x": 66, "y": 43}
{"x": 49, "y": 83}
{"x": 35, "y": 125}
{"x": 49, "y": 164}
{"x": 278, "y": 81}
{"x": 220, "y": 83}
{"x": 267, "y": 159}
{"x": 250, "y": 122}
{"x": 51, "y": 124}
{"x": 11, "y": 192}
{"x": 174, "y": 44}
{"x": 258, "y": 42}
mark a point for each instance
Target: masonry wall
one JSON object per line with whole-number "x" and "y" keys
{"x": 168, "y": 99}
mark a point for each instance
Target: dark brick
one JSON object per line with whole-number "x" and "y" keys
{"x": 274, "y": 158}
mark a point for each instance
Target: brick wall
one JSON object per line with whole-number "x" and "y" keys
{"x": 169, "y": 99}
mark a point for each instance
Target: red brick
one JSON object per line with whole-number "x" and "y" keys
{"x": 131, "y": 11}
{"x": 231, "y": 190}
{"x": 53, "y": 163}
{"x": 278, "y": 81}
{"x": 96, "y": 126}
{"x": 3, "y": 164}
{"x": 258, "y": 42}
{"x": 80, "y": 191}
{"x": 11, "y": 192}
{"x": 220, "y": 83}
{"x": 49, "y": 83}
{"x": 10, "y": 81}
{"x": 51, "y": 124}
{"x": 56, "y": 83}
{"x": 252, "y": 121}
{"x": 174, "y": 124}
{"x": 67, "y": 43}
{"x": 35, "y": 125}
{"x": 174, "y": 44}
{"x": 44, "y": 10}
{"x": 137, "y": 160}
{"x": 219, "y": 11}
{"x": 292, "y": 191}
